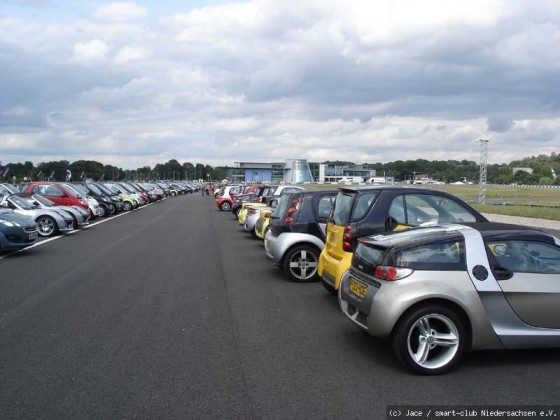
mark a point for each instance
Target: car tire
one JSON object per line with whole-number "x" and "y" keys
{"x": 127, "y": 206}
{"x": 46, "y": 226}
{"x": 102, "y": 211}
{"x": 429, "y": 339}
{"x": 111, "y": 210}
{"x": 225, "y": 206}
{"x": 301, "y": 263}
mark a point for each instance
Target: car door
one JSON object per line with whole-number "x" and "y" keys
{"x": 533, "y": 291}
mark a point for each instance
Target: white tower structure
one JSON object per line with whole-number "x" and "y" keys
{"x": 483, "y": 160}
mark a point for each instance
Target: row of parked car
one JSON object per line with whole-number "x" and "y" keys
{"x": 44, "y": 209}
{"x": 417, "y": 266}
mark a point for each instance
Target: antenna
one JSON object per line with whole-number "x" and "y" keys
{"x": 483, "y": 160}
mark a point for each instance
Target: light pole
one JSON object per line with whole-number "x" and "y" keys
{"x": 482, "y": 180}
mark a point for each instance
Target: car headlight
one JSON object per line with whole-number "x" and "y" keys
{"x": 8, "y": 223}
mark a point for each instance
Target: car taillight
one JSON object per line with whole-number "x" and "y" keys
{"x": 391, "y": 273}
{"x": 347, "y": 238}
{"x": 294, "y": 207}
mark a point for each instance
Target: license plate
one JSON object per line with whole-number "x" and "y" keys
{"x": 33, "y": 235}
{"x": 358, "y": 288}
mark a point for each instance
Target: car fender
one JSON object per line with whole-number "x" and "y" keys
{"x": 287, "y": 240}
{"x": 433, "y": 289}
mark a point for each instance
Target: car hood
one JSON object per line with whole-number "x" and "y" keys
{"x": 14, "y": 217}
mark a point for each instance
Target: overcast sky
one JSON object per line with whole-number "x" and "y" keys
{"x": 220, "y": 81}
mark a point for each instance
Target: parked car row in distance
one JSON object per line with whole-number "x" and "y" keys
{"x": 45, "y": 209}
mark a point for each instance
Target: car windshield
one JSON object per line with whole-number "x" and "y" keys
{"x": 9, "y": 187}
{"x": 104, "y": 189}
{"x": 94, "y": 188}
{"x": 73, "y": 189}
{"x": 128, "y": 188}
{"x": 114, "y": 188}
{"x": 81, "y": 189}
{"x": 23, "y": 203}
{"x": 43, "y": 200}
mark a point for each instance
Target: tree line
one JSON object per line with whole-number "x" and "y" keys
{"x": 543, "y": 169}
{"x": 89, "y": 169}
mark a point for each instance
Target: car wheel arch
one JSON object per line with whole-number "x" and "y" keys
{"x": 451, "y": 305}
{"x": 293, "y": 251}
{"x": 296, "y": 239}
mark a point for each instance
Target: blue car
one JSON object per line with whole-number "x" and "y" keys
{"x": 16, "y": 231}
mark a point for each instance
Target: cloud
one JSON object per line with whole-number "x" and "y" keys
{"x": 321, "y": 79}
{"x": 120, "y": 11}
{"x": 95, "y": 50}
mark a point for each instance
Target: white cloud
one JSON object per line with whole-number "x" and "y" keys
{"x": 322, "y": 79}
{"x": 95, "y": 50}
{"x": 130, "y": 54}
{"x": 120, "y": 11}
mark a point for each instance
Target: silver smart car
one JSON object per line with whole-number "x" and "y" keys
{"x": 438, "y": 291}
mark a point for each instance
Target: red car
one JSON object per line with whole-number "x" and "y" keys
{"x": 57, "y": 193}
{"x": 227, "y": 194}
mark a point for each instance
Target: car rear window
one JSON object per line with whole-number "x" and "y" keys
{"x": 444, "y": 256}
{"x": 342, "y": 208}
{"x": 351, "y": 207}
{"x": 282, "y": 206}
{"x": 373, "y": 255}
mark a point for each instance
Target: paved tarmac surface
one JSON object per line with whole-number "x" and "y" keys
{"x": 173, "y": 312}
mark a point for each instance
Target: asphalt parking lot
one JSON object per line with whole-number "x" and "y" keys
{"x": 172, "y": 311}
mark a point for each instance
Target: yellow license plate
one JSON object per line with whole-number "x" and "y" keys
{"x": 359, "y": 289}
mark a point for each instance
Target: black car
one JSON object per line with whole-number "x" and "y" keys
{"x": 364, "y": 211}
{"x": 297, "y": 232}
{"x": 106, "y": 205}
{"x": 115, "y": 199}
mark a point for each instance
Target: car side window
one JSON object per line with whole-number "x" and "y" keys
{"x": 53, "y": 191}
{"x": 426, "y": 208}
{"x": 39, "y": 189}
{"x": 444, "y": 256}
{"x": 324, "y": 207}
{"x": 526, "y": 256}
{"x": 396, "y": 211}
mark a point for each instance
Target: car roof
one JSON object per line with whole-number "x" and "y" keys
{"x": 489, "y": 231}
{"x": 410, "y": 188}
{"x": 313, "y": 192}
